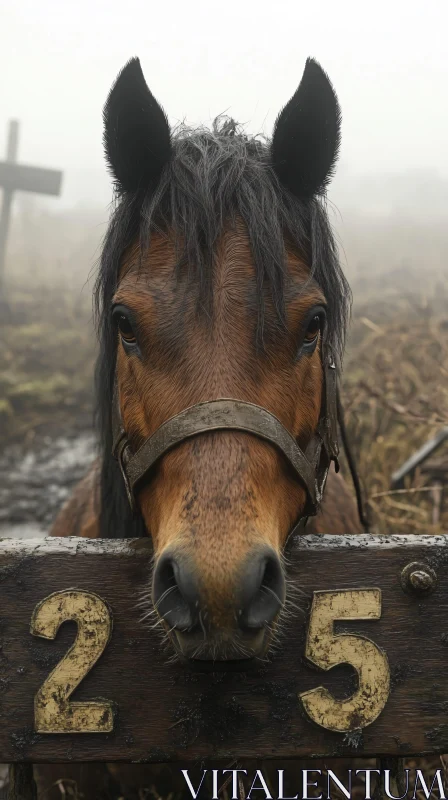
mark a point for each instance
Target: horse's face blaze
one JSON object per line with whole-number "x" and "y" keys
{"x": 218, "y": 506}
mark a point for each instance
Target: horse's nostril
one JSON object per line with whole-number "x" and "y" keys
{"x": 263, "y": 592}
{"x": 259, "y": 595}
{"x": 173, "y": 594}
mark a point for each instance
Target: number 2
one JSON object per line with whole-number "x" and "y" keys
{"x": 53, "y": 711}
{"x": 327, "y": 649}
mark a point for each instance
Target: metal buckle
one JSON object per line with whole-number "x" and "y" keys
{"x": 121, "y": 455}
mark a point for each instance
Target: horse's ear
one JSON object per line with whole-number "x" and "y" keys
{"x": 136, "y": 132}
{"x": 306, "y": 138}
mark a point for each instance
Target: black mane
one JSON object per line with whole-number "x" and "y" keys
{"x": 212, "y": 178}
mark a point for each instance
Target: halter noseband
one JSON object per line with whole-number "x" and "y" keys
{"x": 311, "y": 466}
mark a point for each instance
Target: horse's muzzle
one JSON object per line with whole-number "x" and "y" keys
{"x": 219, "y": 628}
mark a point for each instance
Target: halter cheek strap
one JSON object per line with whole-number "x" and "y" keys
{"x": 311, "y": 467}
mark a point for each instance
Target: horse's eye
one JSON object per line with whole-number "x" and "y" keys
{"x": 313, "y": 329}
{"x": 125, "y": 328}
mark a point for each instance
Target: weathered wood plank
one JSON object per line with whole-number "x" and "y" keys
{"x": 164, "y": 711}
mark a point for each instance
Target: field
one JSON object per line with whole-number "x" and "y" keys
{"x": 395, "y": 380}
{"x": 395, "y": 390}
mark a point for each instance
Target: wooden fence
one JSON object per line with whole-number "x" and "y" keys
{"x": 361, "y": 668}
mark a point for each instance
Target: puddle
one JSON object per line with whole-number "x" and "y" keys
{"x": 35, "y": 484}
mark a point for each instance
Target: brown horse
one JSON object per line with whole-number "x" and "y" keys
{"x": 219, "y": 281}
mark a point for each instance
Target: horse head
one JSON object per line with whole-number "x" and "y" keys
{"x": 222, "y": 311}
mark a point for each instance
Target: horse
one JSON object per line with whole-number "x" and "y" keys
{"x": 222, "y": 310}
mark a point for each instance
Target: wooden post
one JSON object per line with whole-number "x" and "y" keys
{"x": 397, "y": 783}
{"x": 11, "y": 158}
{"x": 21, "y": 784}
{"x": 19, "y": 177}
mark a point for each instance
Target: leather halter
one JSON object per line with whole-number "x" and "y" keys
{"x": 311, "y": 467}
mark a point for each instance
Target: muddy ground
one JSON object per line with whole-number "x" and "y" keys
{"x": 36, "y": 480}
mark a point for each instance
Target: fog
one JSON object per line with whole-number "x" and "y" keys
{"x": 387, "y": 60}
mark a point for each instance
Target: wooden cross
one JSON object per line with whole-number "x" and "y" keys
{"x": 19, "y": 177}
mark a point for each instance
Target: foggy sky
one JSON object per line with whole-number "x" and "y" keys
{"x": 387, "y": 59}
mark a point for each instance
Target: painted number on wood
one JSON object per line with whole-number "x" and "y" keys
{"x": 53, "y": 711}
{"x": 327, "y": 649}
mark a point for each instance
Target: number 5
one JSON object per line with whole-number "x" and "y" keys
{"x": 327, "y": 649}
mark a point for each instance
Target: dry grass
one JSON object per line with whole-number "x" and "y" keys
{"x": 395, "y": 386}
{"x": 395, "y": 382}
{"x": 46, "y": 361}
{"x": 396, "y": 398}
{"x": 47, "y": 342}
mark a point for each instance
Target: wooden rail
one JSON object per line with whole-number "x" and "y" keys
{"x": 377, "y": 603}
